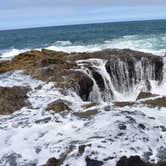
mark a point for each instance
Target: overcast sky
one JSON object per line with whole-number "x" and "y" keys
{"x": 36, "y": 13}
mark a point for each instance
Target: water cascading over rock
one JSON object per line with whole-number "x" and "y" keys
{"x": 123, "y": 73}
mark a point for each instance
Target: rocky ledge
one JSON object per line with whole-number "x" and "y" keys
{"x": 78, "y": 73}
{"x": 67, "y": 73}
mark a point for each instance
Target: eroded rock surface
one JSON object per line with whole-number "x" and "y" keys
{"x": 125, "y": 67}
{"x": 13, "y": 99}
{"x": 144, "y": 95}
{"x": 58, "y": 106}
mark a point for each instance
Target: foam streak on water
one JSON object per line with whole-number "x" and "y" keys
{"x": 154, "y": 44}
{"x": 42, "y": 134}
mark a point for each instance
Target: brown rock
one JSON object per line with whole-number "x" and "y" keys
{"x": 13, "y": 99}
{"x": 159, "y": 102}
{"x": 60, "y": 67}
{"x": 86, "y": 114}
{"x": 132, "y": 161}
{"x": 123, "y": 103}
{"x": 59, "y": 106}
{"x": 52, "y": 162}
{"x": 143, "y": 95}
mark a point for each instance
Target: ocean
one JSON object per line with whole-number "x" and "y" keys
{"x": 105, "y": 108}
{"x": 149, "y": 36}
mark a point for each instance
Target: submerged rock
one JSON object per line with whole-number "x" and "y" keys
{"x": 159, "y": 102}
{"x": 86, "y": 114}
{"x": 123, "y": 103}
{"x": 132, "y": 161}
{"x": 52, "y": 162}
{"x": 143, "y": 95}
{"x": 93, "y": 162}
{"x": 58, "y": 106}
{"x": 13, "y": 99}
{"x": 137, "y": 161}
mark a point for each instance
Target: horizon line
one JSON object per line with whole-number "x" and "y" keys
{"x": 92, "y": 23}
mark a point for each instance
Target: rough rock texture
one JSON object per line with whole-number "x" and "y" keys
{"x": 63, "y": 69}
{"x": 131, "y": 161}
{"x": 123, "y": 103}
{"x": 52, "y": 162}
{"x": 92, "y": 162}
{"x": 125, "y": 70}
{"x": 58, "y": 106}
{"x": 159, "y": 102}
{"x": 143, "y": 95}
{"x": 12, "y": 99}
{"x": 86, "y": 114}
{"x": 137, "y": 161}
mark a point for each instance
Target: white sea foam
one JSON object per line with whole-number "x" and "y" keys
{"x": 37, "y": 134}
{"x": 9, "y": 54}
{"x": 153, "y": 44}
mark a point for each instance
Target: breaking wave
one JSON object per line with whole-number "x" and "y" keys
{"x": 155, "y": 44}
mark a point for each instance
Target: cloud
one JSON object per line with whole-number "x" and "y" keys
{"x": 17, "y": 4}
{"x": 30, "y": 13}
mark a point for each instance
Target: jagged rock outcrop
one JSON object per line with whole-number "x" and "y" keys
{"x": 12, "y": 99}
{"x": 124, "y": 67}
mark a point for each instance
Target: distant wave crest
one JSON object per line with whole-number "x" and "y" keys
{"x": 9, "y": 54}
{"x": 155, "y": 44}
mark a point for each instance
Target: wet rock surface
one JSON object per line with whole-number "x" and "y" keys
{"x": 159, "y": 102}
{"x": 99, "y": 130}
{"x": 58, "y": 106}
{"x": 144, "y": 95}
{"x": 93, "y": 162}
{"x": 63, "y": 69}
{"x": 52, "y": 162}
{"x": 137, "y": 161}
{"x": 12, "y": 99}
{"x": 132, "y": 161}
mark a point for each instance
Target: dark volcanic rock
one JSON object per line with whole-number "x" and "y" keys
{"x": 141, "y": 126}
{"x": 137, "y": 161}
{"x": 123, "y": 68}
{"x": 12, "y": 99}
{"x": 92, "y": 162}
{"x": 122, "y": 126}
{"x": 83, "y": 86}
{"x": 131, "y": 161}
{"x": 99, "y": 80}
{"x": 52, "y": 162}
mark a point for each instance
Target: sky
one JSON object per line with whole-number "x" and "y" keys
{"x": 38, "y": 13}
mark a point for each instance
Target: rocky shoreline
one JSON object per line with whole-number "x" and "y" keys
{"x": 81, "y": 73}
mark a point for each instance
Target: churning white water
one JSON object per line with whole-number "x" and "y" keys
{"x": 32, "y": 135}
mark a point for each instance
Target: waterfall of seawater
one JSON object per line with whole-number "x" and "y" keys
{"x": 164, "y": 70}
{"x": 160, "y": 88}
{"x": 119, "y": 79}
